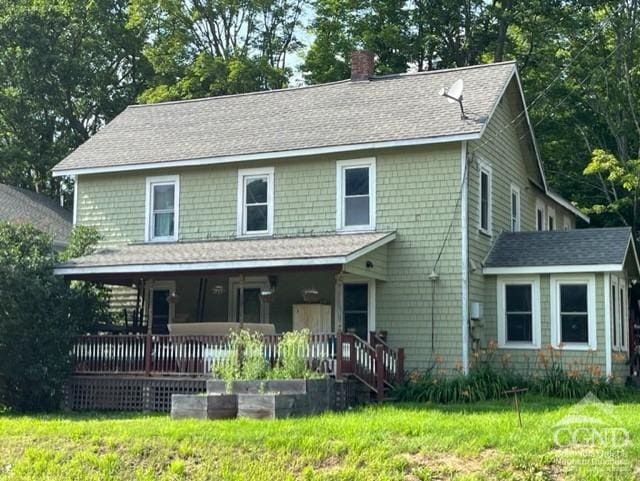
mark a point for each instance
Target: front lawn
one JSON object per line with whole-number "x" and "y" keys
{"x": 390, "y": 442}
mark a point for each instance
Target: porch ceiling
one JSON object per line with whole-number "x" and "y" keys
{"x": 322, "y": 250}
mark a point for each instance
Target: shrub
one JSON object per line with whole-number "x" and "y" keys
{"x": 39, "y": 316}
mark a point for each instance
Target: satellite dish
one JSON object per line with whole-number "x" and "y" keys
{"x": 454, "y": 95}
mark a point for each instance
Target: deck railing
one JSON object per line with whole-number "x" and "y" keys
{"x": 158, "y": 355}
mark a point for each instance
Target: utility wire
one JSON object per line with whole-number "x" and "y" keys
{"x": 545, "y": 91}
{"x": 521, "y": 115}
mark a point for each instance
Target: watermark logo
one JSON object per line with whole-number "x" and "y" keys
{"x": 591, "y": 438}
{"x": 591, "y": 422}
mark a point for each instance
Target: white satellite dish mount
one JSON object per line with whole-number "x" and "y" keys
{"x": 454, "y": 95}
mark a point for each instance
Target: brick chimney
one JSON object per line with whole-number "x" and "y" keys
{"x": 362, "y": 63}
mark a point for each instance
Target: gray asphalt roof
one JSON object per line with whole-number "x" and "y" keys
{"x": 268, "y": 249}
{"x": 389, "y": 108}
{"x": 560, "y": 248}
{"x": 25, "y": 206}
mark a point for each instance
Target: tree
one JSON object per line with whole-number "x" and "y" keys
{"x": 66, "y": 68}
{"x": 39, "y": 316}
{"x": 214, "y": 47}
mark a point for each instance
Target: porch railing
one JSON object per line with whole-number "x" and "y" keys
{"x": 344, "y": 354}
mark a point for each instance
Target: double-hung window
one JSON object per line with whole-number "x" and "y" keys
{"x": 551, "y": 222}
{"x": 539, "y": 215}
{"x": 162, "y": 199}
{"x": 573, "y": 318}
{"x": 356, "y": 194}
{"x": 515, "y": 209}
{"x": 255, "y": 202}
{"x": 484, "y": 201}
{"x": 519, "y": 312}
{"x": 619, "y": 322}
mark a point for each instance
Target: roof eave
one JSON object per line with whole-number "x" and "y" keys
{"x": 555, "y": 197}
{"x": 63, "y": 270}
{"x": 568, "y": 205}
{"x": 57, "y": 172}
{"x": 556, "y": 269}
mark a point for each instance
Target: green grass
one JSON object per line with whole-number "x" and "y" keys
{"x": 390, "y": 442}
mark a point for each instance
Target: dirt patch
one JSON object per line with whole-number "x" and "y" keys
{"x": 446, "y": 466}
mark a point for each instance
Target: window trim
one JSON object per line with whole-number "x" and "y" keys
{"x": 485, "y": 168}
{"x": 148, "y": 225}
{"x": 566, "y": 224}
{"x": 251, "y": 282}
{"x": 341, "y": 167}
{"x": 515, "y": 190}
{"x": 540, "y": 207}
{"x": 551, "y": 214}
{"x": 536, "y": 325}
{"x": 241, "y": 230}
{"x": 555, "y": 283}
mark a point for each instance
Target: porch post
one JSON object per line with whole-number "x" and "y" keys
{"x": 339, "y": 353}
{"x": 241, "y": 303}
{"x": 400, "y": 366}
{"x": 338, "y": 302}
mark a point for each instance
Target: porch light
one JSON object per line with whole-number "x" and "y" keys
{"x": 266, "y": 295}
{"x": 217, "y": 290}
{"x": 173, "y": 298}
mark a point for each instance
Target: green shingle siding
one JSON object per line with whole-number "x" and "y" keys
{"x": 416, "y": 195}
{"x": 525, "y": 359}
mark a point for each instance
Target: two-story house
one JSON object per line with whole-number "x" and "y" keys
{"x": 369, "y": 204}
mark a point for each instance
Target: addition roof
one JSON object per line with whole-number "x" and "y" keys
{"x": 577, "y": 250}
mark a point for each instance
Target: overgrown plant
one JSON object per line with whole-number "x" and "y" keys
{"x": 245, "y": 359}
{"x": 292, "y": 355}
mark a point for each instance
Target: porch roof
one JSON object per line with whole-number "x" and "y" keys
{"x": 578, "y": 250}
{"x": 331, "y": 249}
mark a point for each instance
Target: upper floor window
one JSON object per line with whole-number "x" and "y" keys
{"x": 567, "y": 222}
{"x": 356, "y": 203}
{"x": 485, "y": 199}
{"x": 162, "y": 199}
{"x": 551, "y": 221}
{"x": 255, "y": 201}
{"x": 539, "y": 215}
{"x": 515, "y": 209}
{"x": 573, "y": 317}
{"x": 519, "y": 312}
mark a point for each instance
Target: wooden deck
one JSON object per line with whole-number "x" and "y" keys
{"x": 373, "y": 363}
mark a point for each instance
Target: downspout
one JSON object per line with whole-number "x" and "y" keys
{"x": 607, "y": 323}
{"x": 75, "y": 200}
{"x": 464, "y": 231}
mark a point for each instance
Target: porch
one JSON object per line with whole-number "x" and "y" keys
{"x": 177, "y": 323}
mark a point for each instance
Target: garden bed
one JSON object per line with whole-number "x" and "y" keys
{"x": 260, "y": 399}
